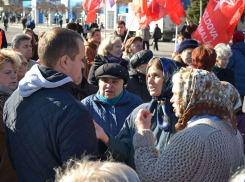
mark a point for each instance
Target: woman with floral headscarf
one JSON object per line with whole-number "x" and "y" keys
{"x": 207, "y": 145}
{"x": 158, "y": 77}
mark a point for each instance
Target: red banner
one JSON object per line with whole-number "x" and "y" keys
{"x": 91, "y": 6}
{"x": 219, "y": 21}
{"x": 155, "y": 11}
{"x": 1, "y": 38}
{"x": 175, "y": 10}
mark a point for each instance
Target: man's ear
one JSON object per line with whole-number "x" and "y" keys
{"x": 15, "y": 49}
{"x": 64, "y": 62}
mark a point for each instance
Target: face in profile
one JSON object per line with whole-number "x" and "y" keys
{"x": 22, "y": 69}
{"x": 8, "y": 76}
{"x": 222, "y": 61}
{"x": 76, "y": 65}
{"x": 155, "y": 80}
{"x": 175, "y": 100}
{"x": 186, "y": 56}
{"x": 110, "y": 87}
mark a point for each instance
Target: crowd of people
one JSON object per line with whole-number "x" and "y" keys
{"x": 79, "y": 108}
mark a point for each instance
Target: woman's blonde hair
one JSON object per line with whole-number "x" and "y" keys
{"x": 107, "y": 45}
{"x": 8, "y": 56}
{"x": 96, "y": 171}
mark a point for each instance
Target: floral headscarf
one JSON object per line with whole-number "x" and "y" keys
{"x": 233, "y": 94}
{"x": 161, "y": 104}
{"x": 200, "y": 92}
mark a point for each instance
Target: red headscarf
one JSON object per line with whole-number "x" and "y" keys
{"x": 237, "y": 37}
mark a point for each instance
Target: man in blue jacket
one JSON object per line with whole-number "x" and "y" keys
{"x": 45, "y": 122}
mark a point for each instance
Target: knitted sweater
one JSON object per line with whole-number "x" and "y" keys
{"x": 206, "y": 150}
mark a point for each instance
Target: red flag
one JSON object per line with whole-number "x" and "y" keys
{"x": 155, "y": 11}
{"x": 175, "y": 10}
{"x": 1, "y": 38}
{"x": 139, "y": 6}
{"x": 91, "y": 6}
{"x": 219, "y": 21}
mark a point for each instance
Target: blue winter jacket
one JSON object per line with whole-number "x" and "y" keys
{"x": 237, "y": 63}
{"x": 46, "y": 126}
{"x": 112, "y": 117}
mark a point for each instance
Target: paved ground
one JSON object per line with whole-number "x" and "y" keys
{"x": 165, "y": 48}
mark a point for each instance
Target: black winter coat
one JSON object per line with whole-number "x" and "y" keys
{"x": 86, "y": 89}
{"x": 98, "y": 61}
{"x": 137, "y": 85}
{"x": 157, "y": 33}
{"x": 47, "y": 128}
{"x": 122, "y": 37}
{"x": 225, "y": 75}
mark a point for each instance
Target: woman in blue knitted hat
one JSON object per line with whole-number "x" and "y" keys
{"x": 159, "y": 74}
{"x": 184, "y": 57}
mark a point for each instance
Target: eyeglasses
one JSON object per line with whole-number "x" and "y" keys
{"x": 24, "y": 64}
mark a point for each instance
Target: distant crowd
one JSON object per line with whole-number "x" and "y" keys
{"x": 74, "y": 107}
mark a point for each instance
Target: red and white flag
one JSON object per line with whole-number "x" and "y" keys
{"x": 175, "y": 10}
{"x": 219, "y": 21}
{"x": 91, "y": 6}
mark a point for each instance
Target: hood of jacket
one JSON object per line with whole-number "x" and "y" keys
{"x": 89, "y": 43}
{"x": 41, "y": 77}
{"x": 239, "y": 46}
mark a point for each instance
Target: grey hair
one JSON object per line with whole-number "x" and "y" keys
{"x": 107, "y": 45}
{"x": 239, "y": 176}
{"x": 21, "y": 55}
{"x": 19, "y": 37}
{"x": 96, "y": 171}
{"x": 223, "y": 50}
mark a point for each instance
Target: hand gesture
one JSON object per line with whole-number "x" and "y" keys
{"x": 100, "y": 134}
{"x": 143, "y": 119}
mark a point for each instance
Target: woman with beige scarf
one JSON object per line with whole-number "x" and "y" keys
{"x": 207, "y": 145}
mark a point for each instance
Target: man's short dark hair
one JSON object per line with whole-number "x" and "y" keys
{"x": 93, "y": 30}
{"x": 191, "y": 28}
{"x": 72, "y": 26}
{"x": 57, "y": 43}
{"x": 120, "y": 22}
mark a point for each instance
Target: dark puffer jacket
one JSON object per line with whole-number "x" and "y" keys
{"x": 137, "y": 85}
{"x": 237, "y": 63}
{"x": 48, "y": 127}
{"x": 98, "y": 61}
{"x": 121, "y": 147}
{"x": 225, "y": 75}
